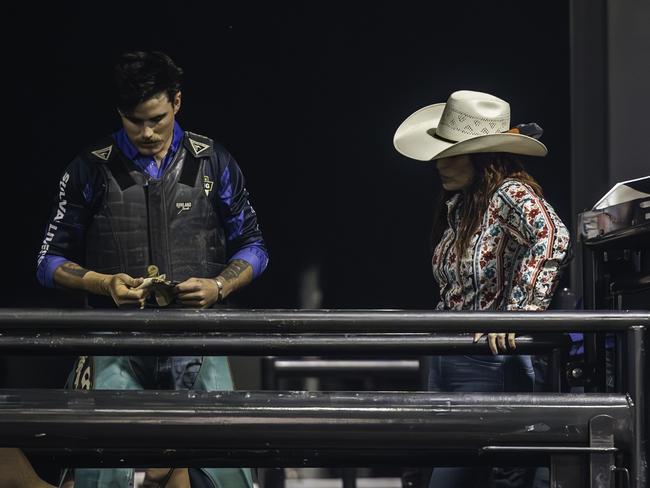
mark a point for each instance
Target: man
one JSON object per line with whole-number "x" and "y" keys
{"x": 152, "y": 200}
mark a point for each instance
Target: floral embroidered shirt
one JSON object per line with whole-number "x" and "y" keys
{"x": 513, "y": 259}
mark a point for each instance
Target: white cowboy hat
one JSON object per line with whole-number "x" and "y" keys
{"x": 470, "y": 122}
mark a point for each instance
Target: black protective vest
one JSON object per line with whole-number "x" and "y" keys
{"x": 168, "y": 222}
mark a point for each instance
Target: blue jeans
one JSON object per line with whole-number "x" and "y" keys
{"x": 481, "y": 374}
{"x": 160, "y": 373}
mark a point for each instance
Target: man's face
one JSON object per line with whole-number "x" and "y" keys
{"x": 150, "y": 126}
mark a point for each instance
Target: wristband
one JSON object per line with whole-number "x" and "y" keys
{"x": 219, "y": 283}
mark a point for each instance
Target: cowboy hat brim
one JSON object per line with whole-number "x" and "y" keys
{"x": 415, "y": 138}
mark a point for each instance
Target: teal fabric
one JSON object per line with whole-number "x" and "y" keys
{"x": 137, "y": 373}
{"x": 103, "y": 478}
{"x": 229, "y": 477}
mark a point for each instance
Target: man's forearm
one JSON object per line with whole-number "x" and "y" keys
{"x": 71, "y": 276}
{"x": 238, "y": 274}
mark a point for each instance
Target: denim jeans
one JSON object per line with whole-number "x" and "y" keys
{"x": 160, "y": 373}
{"x": 481, "y": 374}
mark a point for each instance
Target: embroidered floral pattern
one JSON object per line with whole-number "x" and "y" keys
{"x": 513, "y": 259}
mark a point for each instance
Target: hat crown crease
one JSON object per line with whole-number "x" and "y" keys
{"x": 464, "y": 117}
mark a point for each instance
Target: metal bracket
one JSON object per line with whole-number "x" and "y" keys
{"x": 601, "y": 464}
{"x": 626, "y": 475}
{"x": 580, "y": 373}
{"x": 567, "y": 461}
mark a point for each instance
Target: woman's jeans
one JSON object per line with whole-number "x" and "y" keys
{"x": 481, "y": 374}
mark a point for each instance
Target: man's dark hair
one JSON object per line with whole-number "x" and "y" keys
{"x": 139, "y": 75}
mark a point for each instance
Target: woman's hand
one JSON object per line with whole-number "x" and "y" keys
{"x": 497, "y": 341}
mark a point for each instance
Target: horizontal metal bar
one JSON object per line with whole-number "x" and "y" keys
{"x": 292, "y": 422}
{"x": 303, "y": 457}
{"x": 295, "y": 343}
{"x": 318, "y": 367}
{"x": 547, "y": 449}
{"x": 309, "y": 321}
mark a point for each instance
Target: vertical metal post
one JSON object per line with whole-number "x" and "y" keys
{"x": 269, "y": 380}
{"x": 349, "y": 476}
{"x": 423, "y": 372}
{"x": 595, "y": 360}
{"x": 619, "y": 370}
{"x": 601, "y": 464}
{"x": 568, "y": 471}
{"x": 636, "y": 363}
{"x": 636, "y": 388}
{"x": 589, "y": 129}
{"x": 272, "y": 477}
{"x": 554, "y": 373}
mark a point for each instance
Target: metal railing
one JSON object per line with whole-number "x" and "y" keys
{"x": 316, "y": 321}
{"x": 274, "y": 428}
{"x": 308, "y": 428}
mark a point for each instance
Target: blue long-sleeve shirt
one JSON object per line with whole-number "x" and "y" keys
{"x": 81, "y": 190}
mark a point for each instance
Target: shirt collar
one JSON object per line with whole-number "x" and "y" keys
{"x": 453, "y": 201}
{"x": 453, "y": 204}
{"x": 130, "y": 151}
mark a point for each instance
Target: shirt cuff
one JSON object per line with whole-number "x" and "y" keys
{"x": 46, "y": 269}
{"x": 254, "y": 255}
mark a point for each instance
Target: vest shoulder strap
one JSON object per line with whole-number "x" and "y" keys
{"x": 198, "y": 147}
{"x": 101, "y": 151}
{"x": 105, "y": 151}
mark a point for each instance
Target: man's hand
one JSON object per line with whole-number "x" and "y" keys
{"x": 121, "y": 287}
{"x": 497, "y": 341}
{"x": 204, "y": 292}
{"x": 198, "y": 292}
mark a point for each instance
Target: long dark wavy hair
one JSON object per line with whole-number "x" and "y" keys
{"x": 492, "y": 169}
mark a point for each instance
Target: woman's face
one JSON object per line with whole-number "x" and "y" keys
{"x": 456, "y": 172}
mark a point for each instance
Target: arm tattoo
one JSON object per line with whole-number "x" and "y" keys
{"x": 235, "y": 269}
{"x": 73, "y": 269}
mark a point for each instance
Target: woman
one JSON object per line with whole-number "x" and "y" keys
{"x": 497, "y": 244}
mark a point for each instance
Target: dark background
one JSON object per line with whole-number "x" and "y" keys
{"x": 307, "y": 97}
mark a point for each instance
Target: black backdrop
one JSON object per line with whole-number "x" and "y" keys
{"x": 307, "y": 97}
